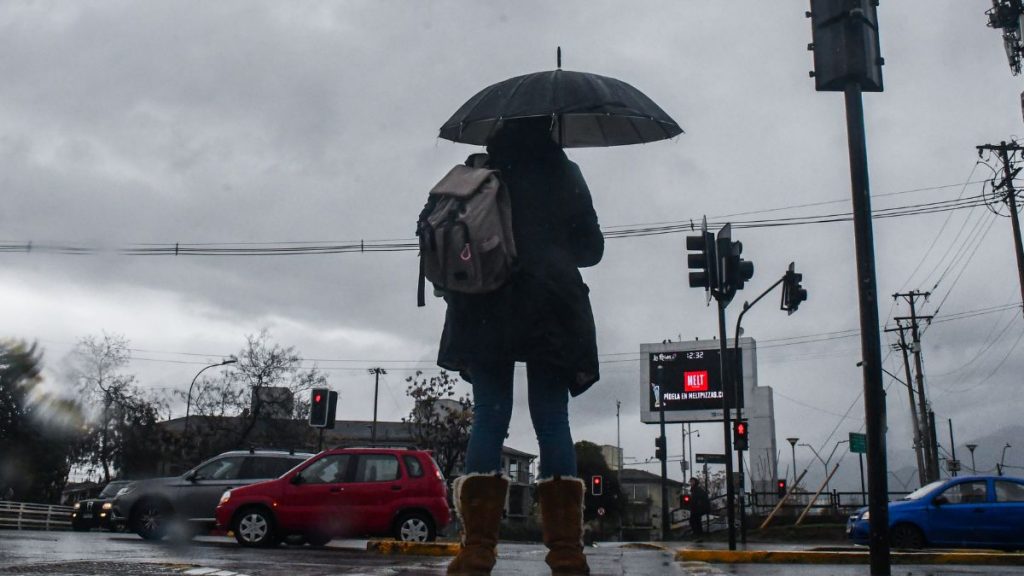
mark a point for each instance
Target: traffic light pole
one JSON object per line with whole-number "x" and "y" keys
{"x": 871, "y": 345}
{"x": 665, "y": 524}
{"x": 737, "y": 379}
{"x": 726, "y": 425}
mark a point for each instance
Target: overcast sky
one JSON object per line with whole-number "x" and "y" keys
{"x": 127, "y": 123}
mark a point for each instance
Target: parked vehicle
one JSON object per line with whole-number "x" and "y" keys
{"x": 342, "y": 492}
{"x": 967, "y": 511}
{"x": 95, "y": 512}
{"x": 150, "y": 507}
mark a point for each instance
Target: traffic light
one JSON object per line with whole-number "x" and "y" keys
{"x": 844, "y": 36}
{"x": 781, "y": 485}
{"x": 733, "y": 270}
{"x": 320, "y": 413}
{"x": 739, "y": 435}
{"x": 792, "y": 292}
{"x": 685, "y": 502}
{"x": 332, "y": 409}
{"x": 659, "y": 448}
{"x": 702, "y": 262}
{"x": 596, "y": 485}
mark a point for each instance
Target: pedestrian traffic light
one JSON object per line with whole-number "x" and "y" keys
{"x": 844, "y": 36}
{"x": 685, "y": 502}
{"x": 792, "y": 292}
{"x": 733, "y": 270}
{"x": 702, "y": 261}
{"x": 739, "y": 435}
{"x": 596, "y": 485}
{"x": 659, "y": 448}
{"x": 319, "y": 402}
{"x": 781, "y": 485}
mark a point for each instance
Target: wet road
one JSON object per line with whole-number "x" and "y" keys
{"x": 103, "y": 553}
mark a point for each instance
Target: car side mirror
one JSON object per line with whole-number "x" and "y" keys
{"x": 297, "y": 479}
{"x": 940, "y": 500}
{"x": 191, "y": 477}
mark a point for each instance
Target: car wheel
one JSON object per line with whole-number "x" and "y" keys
{"x": 415, "y": 527}
{"x": 317, "y": 539}
{"x": 906, "y": 536}
{"x": 150, "y": 519}
{"x": 255, "y": 527}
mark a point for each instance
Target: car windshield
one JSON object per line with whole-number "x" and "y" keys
{"x": 923, "y": 490}
{"x": 111, "y": 490}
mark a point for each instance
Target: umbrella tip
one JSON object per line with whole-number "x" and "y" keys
{"x": 559, "y": 57}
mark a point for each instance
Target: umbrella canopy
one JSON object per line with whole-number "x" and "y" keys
{"x": 587, "y": 110}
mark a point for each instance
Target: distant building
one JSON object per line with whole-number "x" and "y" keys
{"x": 612, "y": 455}
{"x": 641, "y": 519}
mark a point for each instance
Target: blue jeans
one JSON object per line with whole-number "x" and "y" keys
{"x": 492, "y": 410}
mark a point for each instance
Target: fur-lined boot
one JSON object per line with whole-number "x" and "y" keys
{"x": 561, "y": 509}
{"x": 479, "y": 503}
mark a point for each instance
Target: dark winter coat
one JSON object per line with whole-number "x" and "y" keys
{"x": 543, "y": 313}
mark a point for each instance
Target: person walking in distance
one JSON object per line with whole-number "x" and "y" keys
{"x": 541, "y": 316}
{"x": 699, "y": 505}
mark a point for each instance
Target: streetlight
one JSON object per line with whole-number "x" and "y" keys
{"x": 824, "y": 463}
{"x": 792, "y": 446}
{"x": 971, "y": 447}
{"x": 1002, "y": 458}
{"x": 188, "y": 401}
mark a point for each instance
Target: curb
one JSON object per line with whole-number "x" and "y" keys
{"x": 819, "y": 557}
{"x": 413, "y": 548}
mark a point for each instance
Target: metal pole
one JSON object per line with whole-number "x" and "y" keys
{"x": 871, "y": 346}
{"x": 922, "y": 468}
{"x": 863, "y": 493}
{"x": 664, "y": 454}
{"x": 724, "y": 365}
{"x": 1011, "y": 200}
{"x": 971, "y": 447}
{"x": 376, "y": 389}
{"x": 952, "y": 445}
{"x": 792, "y": 445}
{"x": 928, "y": 434}
{"x": 618, "y": 446}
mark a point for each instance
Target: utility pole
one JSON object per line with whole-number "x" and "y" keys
{"x": 376, "y": 388}
{"x": 1008, "y": 153}
{"x": 931, "y": 459}
{"x": 922, "y": 468}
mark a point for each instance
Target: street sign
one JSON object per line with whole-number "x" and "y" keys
{"x": 858, "y": 443}
{"x": 710, "y": 458}
{"x": 953, "y": 465}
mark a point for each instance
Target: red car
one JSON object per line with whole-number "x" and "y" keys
{"x": 342, "y": 492}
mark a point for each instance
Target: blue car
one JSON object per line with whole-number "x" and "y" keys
{"x": 967, "y": 511}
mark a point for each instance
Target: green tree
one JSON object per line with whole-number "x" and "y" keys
{"x": 38, "y": 432}
{"x": 589, "y": 463}
{"x": 439, "y": 421}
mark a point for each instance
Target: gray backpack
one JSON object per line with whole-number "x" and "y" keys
{"x": 465, "y": 231}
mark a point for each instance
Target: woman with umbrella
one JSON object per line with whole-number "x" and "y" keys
{"x": 542, "y": 316}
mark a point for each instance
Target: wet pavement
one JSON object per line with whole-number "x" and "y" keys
{"x": 103, "y": 553}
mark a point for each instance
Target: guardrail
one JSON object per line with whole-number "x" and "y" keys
{"x": 24, "y": 516}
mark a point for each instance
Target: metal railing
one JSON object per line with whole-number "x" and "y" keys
{"x": 24, "y": 516}
{"x": 827, "y": 503}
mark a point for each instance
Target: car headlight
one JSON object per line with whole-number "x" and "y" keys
{"x": 78, "y": 505}
{"x": 225, "y": 497}
{"x": 126, "y": 490}
{"x": 107, "y": 505}
{"x": 866, "y": 515}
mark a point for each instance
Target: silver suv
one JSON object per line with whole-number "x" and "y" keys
{"x": 150, "y": 507}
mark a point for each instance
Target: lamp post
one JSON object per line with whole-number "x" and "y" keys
{"x": 376, "y": 388}
{"x": 824, "y": 463}
{"x": 188, "y": 401}
{"x": 792, "y": 446}
{"x": 1002, "y": 458}
{"x": 971, "y": 447}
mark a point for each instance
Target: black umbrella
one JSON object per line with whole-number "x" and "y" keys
{"x": 586, "y": 110}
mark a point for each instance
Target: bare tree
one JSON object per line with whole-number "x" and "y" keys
{"x": 439, "y": 421}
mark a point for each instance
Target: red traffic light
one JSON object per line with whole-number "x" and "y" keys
{"x": 686, "y": 498}
{"x": 741, "y": 428}
{"x": 317, "y": 399}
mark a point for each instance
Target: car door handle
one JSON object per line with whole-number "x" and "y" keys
{"x": 337, "y": 489}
